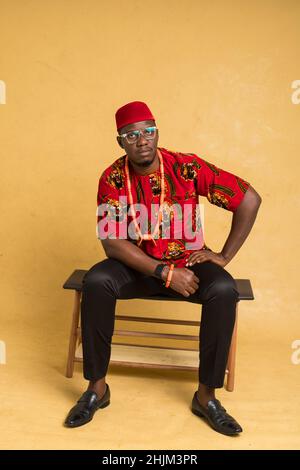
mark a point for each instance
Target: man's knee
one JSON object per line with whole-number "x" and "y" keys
{"x": 98, "y": 277}
{"x": 223, "y": 286}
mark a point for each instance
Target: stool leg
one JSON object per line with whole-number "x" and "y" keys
{"x": 231, "y": 356}
{"x": 73, "y": 334}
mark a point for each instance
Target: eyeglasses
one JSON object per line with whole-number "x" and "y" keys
{"x": 133, "y": 136}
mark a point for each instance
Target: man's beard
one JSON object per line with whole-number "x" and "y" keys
{"x": 145, "y": 163}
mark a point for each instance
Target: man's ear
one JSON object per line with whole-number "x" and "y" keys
{"x": 120, "y": 141}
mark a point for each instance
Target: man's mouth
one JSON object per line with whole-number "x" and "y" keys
{"x": 144, "y": 151}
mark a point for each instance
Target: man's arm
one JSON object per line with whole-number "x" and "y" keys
{"x": 131, "y": 255}
{"x": 242, "y": 221}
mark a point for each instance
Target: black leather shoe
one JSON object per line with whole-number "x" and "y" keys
{"x": 216, "y": 416}
{"x": 86, "y": 406}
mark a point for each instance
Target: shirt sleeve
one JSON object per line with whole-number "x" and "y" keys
{"x": 220, "y": 187}
{"x": 111, "y": 209}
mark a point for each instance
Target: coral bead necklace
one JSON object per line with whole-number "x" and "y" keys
{"x": 162, "y": 197}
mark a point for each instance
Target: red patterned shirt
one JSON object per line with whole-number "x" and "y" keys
{"x": 186, "y": 177}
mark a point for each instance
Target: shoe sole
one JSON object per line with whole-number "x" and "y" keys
{"x": 201, "y": 415}
{"x": 104, "y": 404}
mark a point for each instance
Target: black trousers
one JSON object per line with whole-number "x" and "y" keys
{"x": 111, "y": 279}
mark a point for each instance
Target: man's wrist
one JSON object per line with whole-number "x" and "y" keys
{"x": 161, "y": 271}
{"x": 226, "y": 257}
{"x": 164, "y": 273}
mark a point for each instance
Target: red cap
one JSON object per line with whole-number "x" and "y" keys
{"x": 133, "y": 112}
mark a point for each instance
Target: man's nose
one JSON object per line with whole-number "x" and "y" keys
{"x": 141, "y": 140}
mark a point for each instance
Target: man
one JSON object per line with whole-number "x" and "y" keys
{"x": 170, "y": 262}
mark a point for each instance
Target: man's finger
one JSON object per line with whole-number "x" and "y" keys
{"x": 197, "y": 258}
{"x": 191, "y": 260}
{"x": 195, "y": 286}
{"x": 201, "y": 259}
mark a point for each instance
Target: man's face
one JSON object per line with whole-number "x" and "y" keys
{"x": 142, "y": 152}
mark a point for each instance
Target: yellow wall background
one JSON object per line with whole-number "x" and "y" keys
{"x": 218, "y": 77}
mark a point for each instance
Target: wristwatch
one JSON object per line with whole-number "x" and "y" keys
{"x": 159, "y": 269}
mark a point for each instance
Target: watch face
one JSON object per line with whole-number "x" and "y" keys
{"x": 158, "y": 270}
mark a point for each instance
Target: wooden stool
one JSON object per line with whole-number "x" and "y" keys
{"x": 136, "y": 355}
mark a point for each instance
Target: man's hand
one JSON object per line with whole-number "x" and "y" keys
{"x": 206, "y": 255}
{"x": 183, "y": 281}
